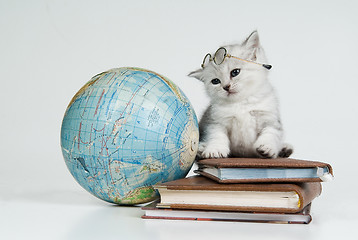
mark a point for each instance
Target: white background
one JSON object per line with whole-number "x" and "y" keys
{"x": 49, "y": 49}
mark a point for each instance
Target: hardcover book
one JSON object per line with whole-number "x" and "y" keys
{"x": 244, "y": 170}
{"x": 151, "y": 211}
{"x": 201, "y": 193}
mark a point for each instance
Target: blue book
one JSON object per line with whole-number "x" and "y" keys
{"x": 245, "y": 170}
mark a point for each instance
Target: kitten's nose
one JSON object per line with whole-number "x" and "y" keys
{"x": 227, "y": 87}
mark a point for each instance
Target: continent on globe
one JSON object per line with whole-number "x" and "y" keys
{"x": 126, "y": 130}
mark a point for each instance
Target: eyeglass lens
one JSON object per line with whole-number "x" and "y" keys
{"x": 207, "y": 59}
{"x": 219, "y": 56}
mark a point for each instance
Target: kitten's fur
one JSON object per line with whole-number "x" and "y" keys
{"x": 244, "y": 119}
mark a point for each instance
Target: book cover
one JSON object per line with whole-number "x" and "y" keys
{"x": 245, "y": 170}
{"x": 201, "y": 193}
{"x": 151, "y": 211}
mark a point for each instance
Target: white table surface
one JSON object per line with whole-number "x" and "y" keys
{"x": 68, "y": 212}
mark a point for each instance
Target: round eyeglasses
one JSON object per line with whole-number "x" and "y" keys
{"x": 220, "y": 56}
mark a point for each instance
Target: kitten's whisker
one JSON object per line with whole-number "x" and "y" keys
{"x": 234, "y": 85}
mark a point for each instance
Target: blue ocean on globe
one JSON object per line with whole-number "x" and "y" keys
{"x": 126, "y": 130}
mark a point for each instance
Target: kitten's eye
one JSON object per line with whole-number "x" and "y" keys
{"x": 215, "y": 81}
{"x": 235, "y": 72}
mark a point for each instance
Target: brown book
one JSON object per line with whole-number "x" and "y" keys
{"x": 201, "y": 193}
{"x": 249, "y": 170}
{"x": 151, "y": 211}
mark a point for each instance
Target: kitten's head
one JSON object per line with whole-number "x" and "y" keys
{"x": 234, "y": 80}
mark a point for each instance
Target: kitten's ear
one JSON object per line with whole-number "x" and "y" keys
{"x": 253, "y": 40}
{"x": 198, "y": 74}
{"x": 252, "y": 43}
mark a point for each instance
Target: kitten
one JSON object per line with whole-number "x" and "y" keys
{"x": 243, "y": 118}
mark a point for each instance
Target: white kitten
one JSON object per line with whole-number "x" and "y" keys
{"x": 243, "y": 118}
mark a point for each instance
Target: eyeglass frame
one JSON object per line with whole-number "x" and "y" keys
{"x": 267, "y": 66}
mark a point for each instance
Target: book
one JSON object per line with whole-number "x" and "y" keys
{"x": 151, "y": 211}
{"x": 241, "y": 170}
{"x": 201, "y": 193}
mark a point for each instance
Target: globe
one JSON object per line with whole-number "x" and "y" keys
{"x": 126, "y": 130}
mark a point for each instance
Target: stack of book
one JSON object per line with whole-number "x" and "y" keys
{"x": 243, "y": 189}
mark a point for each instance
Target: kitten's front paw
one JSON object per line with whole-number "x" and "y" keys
{"x": 215, "y": 152}
{"x": 286, "y": 151}
{"x": 201, "y": 148}
{"x": 266, "y": 151}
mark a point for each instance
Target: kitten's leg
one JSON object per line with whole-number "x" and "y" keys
{"x": 215, "y": 144}
{"x": 268, "y": 144}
